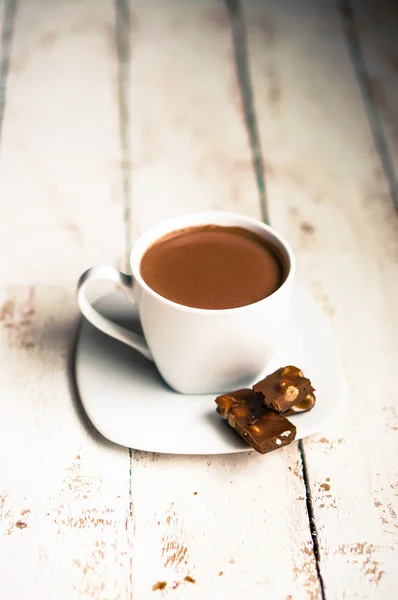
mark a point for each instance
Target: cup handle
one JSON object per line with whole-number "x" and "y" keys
{"x": 125, "y": 282}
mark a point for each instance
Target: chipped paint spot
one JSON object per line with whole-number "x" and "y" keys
{"x": 91, "y": 517}
{"x": 304, "y": 570}
{"x": 392, "y": 512}
{"x": 7, "y": 310}
{"x": 394, "y": 486}
{"x": 79, "y": 484}
{"x": 93, "y": 567}
{"x": 387, "y": 516}
{"x": 3, "y": 499}
{"x": 189, "y": 579}
{"x": 296, "y": 469}
{"x": 16, "y": 318}
{"x": 362, "y": 554}
{"x": 174, "y": 551}
{"x": 330, "y": 445}
{"x": 274, "y": 88}
{"x": 8, "y": 516}
{"x": 327, "y": 500}
{"x": 392, "y": 418}
{"x": 307, "y": 228}
{"x": 159, "y": 585}
{"x": 139, "y": 455}
{"x": 325, "y": 486}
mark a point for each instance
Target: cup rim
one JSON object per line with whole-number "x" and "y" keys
{"x": 198, "y": 219}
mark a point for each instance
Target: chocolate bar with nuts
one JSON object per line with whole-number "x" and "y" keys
{"x": 286, "y": 391}
{"x": 263, "y": 429}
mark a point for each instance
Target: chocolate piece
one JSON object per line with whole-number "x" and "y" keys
{"x": 301, "y": 407}
{"x": 286, "y": 388}
{"x": 262, "y": 428}
{"x": 226, "y": 401}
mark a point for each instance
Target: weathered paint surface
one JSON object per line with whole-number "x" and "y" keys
{"x": 113, "y": 117}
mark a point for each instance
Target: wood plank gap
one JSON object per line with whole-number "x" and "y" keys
{"x": 246, "y": 90}
{"x": 10, "y": 11}
{"x": 123, "y": 51}
{"x": 247, "y": 96}
{"x": 311, "y": 518}
{"x": 130, "y": 525}
{"x": 355, "y": 50}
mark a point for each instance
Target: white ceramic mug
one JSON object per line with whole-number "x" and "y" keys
{"x": 196, "y": 350}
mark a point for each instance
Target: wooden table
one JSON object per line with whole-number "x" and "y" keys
{"x": 115, "y": 115}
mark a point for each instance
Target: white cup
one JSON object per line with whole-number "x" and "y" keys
{"x": 198, "y": 351}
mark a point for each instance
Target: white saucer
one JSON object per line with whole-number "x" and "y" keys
{"x": 129, "y": 403}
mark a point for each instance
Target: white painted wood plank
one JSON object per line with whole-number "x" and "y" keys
{"x": 60, "y": 150}
{"x": 2, "y": 6}
{"x": 377, "y": 30}
{"x": 6, "y": 17}
{"x": 217, "y": 518}
{"x": 64, "y": 492}
{"x": 330, "y": 197}
{"x": 189, "y": 144}
{"x": 190, "y": 152}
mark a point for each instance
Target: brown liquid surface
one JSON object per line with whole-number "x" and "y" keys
{"x": 212, "y": 267}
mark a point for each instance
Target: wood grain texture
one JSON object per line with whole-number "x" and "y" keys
{"x": 99, "y": 141}
{"x": 60, "y": 148}
{"x": 330, "y": 196}
{"x": 376, "y": 31}
{"x": 208, "y": 518}
{"x": 2, "y": 10}
{"x": 7, "y": 20}
{"x": 190, "y": 148}
{"x": 215, "y": 518}
{"x": 64, "y": 491}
